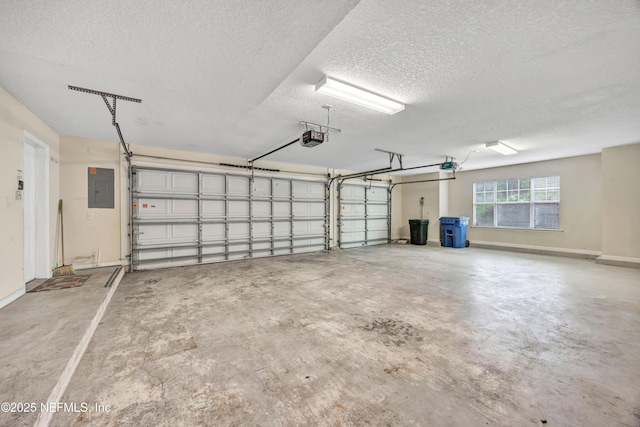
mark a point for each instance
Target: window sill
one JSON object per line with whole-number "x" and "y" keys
{"x": 557, "y": 230}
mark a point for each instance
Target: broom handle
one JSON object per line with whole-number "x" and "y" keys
{"x": 62, "y": 230}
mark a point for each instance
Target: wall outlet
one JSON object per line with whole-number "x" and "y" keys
{"x": 18, "y": 194}
{"x": 91, "y": 215}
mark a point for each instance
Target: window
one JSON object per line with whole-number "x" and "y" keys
{"x": 518, "y": 203}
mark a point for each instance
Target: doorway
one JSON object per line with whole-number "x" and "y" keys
{"x": 35, "y": 199}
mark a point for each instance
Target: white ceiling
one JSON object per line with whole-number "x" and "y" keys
{"x": 550, "y": 78}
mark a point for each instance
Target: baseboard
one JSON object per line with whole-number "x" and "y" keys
{"x": 12, "y": 297}
{"x": 430, "y": 242}
{"x": 539, "y": 250}
{"x": 618, "y": 261}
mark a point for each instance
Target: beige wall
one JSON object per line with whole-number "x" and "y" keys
{"x": 580, "y": 215}
{"x": 14, "y": 119}
{"x": 621, "y": 202}
{"x": 410, "y": 201}
{"x": 84, "y": 236}
{"x": 580, "y": 205}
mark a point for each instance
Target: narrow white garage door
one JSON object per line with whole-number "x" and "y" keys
{"x": 184, "y": 218}
{"x": 364, "y": 216}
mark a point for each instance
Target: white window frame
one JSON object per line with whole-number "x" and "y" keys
{"x": 532, "y": 202}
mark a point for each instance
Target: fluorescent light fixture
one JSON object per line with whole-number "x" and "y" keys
{"x": 501, "y": 148}
{"x": 338, "y": 89}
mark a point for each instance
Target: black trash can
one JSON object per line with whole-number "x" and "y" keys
{"x": 418, "y": 231}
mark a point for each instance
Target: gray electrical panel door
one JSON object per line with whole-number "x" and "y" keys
{"x": 100, "y": 188}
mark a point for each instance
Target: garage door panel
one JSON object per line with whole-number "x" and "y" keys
{"x": 238, "y": 186}
{"x": 281, "y": 244}
{"x": 377, "y": 210}
{"x": 261, "y": 230}
{"x": 239, "y": 252}
{"x": 261, "y": 209}
{"x": 352, "y": 210}
{"x": 308, "y": 190}
{"x": 171, "y": 182}
{"x": 281, "y": 188}
{"x": 308, "y": 245}
{"x": 364, "y": 215}
{"x": 261, "y": 187}
{"x": 376, "y": 194}
{"x": 351, "y": 225}
{"x": 157, "y": 234}
{"x": 184, "y": 183}
{"x": 357, "y": 237}
{"x": 377, "y": 225}
{"x": 209, "y": 250}
{"x": 239, "y": 209}
{"x": 377, "y": 235}
{"x": 302, "y": 209}
{"x": 213, "y": 208}
{"x": 239, "y": 231}
{"x": 153, "y": 181}
{"x": 282, "y": 229}
{"x": 223, "y": 216}
{"x": 213, "y": 185}
{"x": 214, "y": 258}
{"x": 281, "y": 209}
{"x": 213, "y": 232}
{"x": 302, "y": 228}
{"x": 148, "y": 208}
{"x": 152, "y": 259}
{"x": 264, "y": 247}
{"x": 352, "y": 193}
{"x": 188, "y": 208}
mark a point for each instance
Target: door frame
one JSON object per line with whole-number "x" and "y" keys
{"x": 41, "y": 204}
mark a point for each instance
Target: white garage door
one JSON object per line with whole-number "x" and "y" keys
{"x": 364, "y": 215}
{"x": 184, "y": 218}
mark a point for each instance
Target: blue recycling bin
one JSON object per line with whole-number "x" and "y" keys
{"x": 453, "y": 231}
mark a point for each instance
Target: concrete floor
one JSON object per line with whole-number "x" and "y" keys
{"x": 387, "y": 335}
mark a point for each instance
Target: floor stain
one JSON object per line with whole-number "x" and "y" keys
{"x": 396, "y": 332}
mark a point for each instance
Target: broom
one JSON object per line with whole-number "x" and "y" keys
{"x": 64, "y": 270}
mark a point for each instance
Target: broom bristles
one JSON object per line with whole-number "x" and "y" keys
{"x": 65, "y": 270}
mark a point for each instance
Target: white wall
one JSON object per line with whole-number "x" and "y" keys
{"x": 14, "y": 119}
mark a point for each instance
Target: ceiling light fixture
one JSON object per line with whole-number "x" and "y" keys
{"x": 332, "y": 87}
{"x": 501, "y": 148}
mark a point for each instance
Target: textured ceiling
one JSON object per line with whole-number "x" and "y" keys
{"x": 550, "y": 78}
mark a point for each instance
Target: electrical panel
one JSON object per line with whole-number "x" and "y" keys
{"x": 101, "y": 188}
